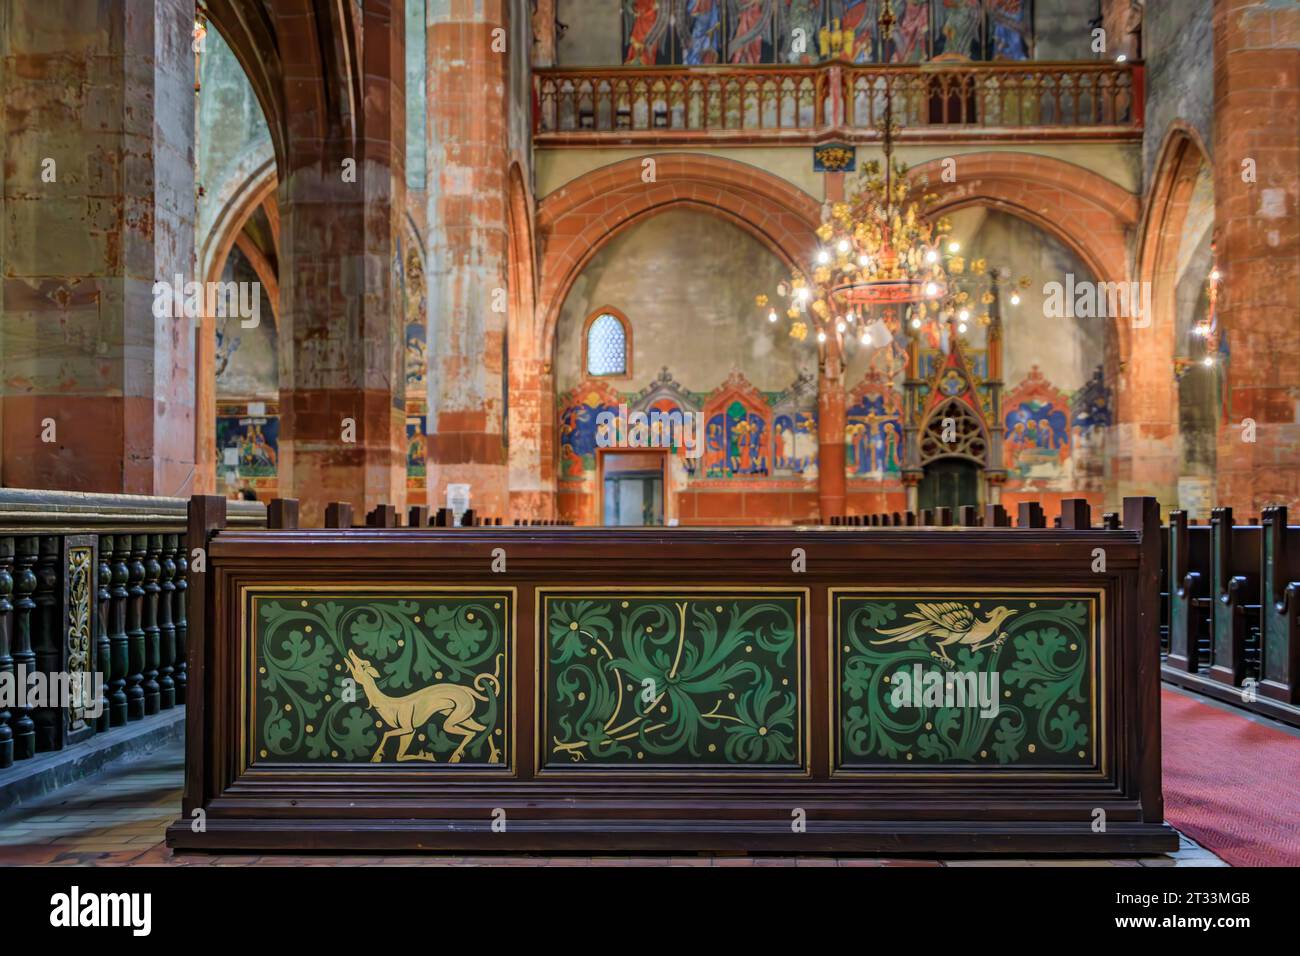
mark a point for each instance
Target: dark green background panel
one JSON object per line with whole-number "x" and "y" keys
{"x": 442, "y": 658}
{"x": 699, "y": 681}
{"x": 1034, "y": 654}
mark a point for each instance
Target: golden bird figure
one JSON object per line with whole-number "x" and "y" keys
{"x": 951, "y": 623}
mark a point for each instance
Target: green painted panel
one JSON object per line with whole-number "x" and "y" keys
{"x": 995, "y": 679}
{"x": 673, "y": 679}
{"x": 420, "y": 678}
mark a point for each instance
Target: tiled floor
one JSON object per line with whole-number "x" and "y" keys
{"x": 119, "y": 817}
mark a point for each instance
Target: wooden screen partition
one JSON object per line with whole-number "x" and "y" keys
{"x": 886, "y": 689}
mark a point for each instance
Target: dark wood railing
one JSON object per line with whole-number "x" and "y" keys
{"x": 809, "y": 104}
{"x": 93, "y": 585}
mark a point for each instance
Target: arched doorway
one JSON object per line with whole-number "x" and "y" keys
{"x": 950, "y": 482}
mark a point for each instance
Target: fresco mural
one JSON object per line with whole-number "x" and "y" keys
{"x": 873, "y": 432}
{"x": 1037, "y": 440}
{"x": 248, "y": 448}
{"x": 417, "y": 452}
{"x": 737, "y": 421}
{"x": 958, "y": 29}
{"x": 1010, "y": 29}
{"x": 416, "y": 368}
{"x": 579, "y": 410}
{"x": 710, "y": 32}
{"x": 794, "y": 443}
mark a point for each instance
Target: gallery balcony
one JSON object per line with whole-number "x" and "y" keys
{"x": 932, "y": 102}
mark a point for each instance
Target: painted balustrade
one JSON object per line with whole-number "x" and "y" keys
{"x": 802, "y": 103}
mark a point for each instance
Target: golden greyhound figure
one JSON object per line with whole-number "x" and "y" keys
{"x": 405, "y": 715}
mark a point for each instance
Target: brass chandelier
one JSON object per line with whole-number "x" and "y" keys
{"x": 883, "y": 265}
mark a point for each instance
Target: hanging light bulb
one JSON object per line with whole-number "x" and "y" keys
{"x": 843, "y": 246}
{"x": 839, "y": 326}
{"x": 961, "y": 328}
{"x": 964, "y": 315}
{"x": 865, "y": 338}
{"x": 850, "y": 318}
{"x": 864, "y": 260}
{"x": 1215, "y": 275}
{"x": 932, "y": 257}
{"x": 803, "y": 294}
{"x": 1015, "y": 298}
{"x": 931, "y": 289}
{"x": 1208, "y": 360}
{"x": 823, "y": 256}
{"x": 916, "y": 323}
{"x": 771, "y": 316}
{"x": 821, "y": 335}
{"x": 954, "y": 247}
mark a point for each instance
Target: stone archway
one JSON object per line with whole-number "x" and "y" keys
{"x": 1148, "y": 463}
{"x": 575, "y": 222}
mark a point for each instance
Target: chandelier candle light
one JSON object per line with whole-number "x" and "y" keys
{"x": 880, "y": 255}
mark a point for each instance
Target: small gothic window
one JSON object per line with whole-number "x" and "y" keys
{"x": 606, "y": 346}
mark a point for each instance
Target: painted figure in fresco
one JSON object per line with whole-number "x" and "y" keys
{"x": 702, "y": 32}
{"x": 256, "y": 455}
{"x": 417, "y": 450}
{"x": 1009, "y": 27}
{"x": 416, "y": 362}
{"x": 649, "y": 24}
{"x": 805, "y": 15}
{"x": 860, "y": 20}
{"x": 1037, "y": 435}
{"x": 911, "y": 31}
{"x": 578, "y": 438}
{"x": 959, "y": 27}
{"x": 752, "y": 19}
{"x": 715, "y": 448}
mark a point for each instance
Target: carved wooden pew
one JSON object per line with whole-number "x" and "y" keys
{"x": 1189, "y": 594}
{"x": 1280, "y": 608}
{"x": 304, "y": 644}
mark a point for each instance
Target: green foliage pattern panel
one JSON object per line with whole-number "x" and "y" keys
{"x": 699, "y": 681}
{"x": 1004, "y": 680}
{"x": 336, "y": 674}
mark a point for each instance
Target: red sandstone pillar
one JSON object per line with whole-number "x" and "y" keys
{"x": 467, "y": 261}
{"x": 830, "y": 430}
{"x": 97, "y": 393}
{"x": 1256, "y": 101}
{"x": 342, "y": 392}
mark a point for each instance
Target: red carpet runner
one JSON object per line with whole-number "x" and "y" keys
{"x": 1232, "y": 785}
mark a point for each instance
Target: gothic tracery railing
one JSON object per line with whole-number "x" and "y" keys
{"x": 781, "y": 103}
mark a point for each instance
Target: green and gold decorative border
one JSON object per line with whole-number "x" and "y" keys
{"x": 1043, "y": 665}
{"x": 756, "y": 694}
{"x": 498, "y": 679}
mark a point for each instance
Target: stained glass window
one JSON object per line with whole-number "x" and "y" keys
{"x": 606, "y": 346}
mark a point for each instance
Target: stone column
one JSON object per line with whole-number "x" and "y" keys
{"x": 1256, "y": 100}
{"x": 467, "y": 243}
{"x": 98, "y": 159}
{"x": 342, "y": 376}
{"x": 830, "y": 429}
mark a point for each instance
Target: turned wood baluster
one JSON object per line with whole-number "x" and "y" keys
{"x": 135, "y": 640}
{"x": 47, "y": 642}
{"x": 103, "y": 653}
{"x": 181, "y": 674}
{"x": 6, "y": 658}
{"x": 166, "y": 628}
{"x": 149, "y": 623}
{"x": 118, "y": 640}
{"x": 25, "y": 557}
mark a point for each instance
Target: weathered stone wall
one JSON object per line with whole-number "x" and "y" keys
{"x": 104, "y": 93}
{"x": 1177, "y": 46}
